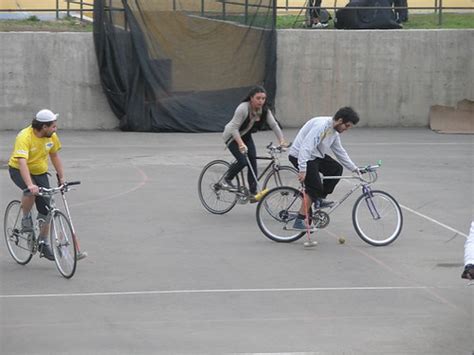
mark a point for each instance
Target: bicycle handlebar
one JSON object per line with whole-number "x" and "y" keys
{"x": 54, "y": 190}
{"x": 277, "y": 149}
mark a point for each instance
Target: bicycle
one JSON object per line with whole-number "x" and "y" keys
{"x": 376, "y": 215}
{"x": 23, "y": 243}
{"x": 217, "y": 200}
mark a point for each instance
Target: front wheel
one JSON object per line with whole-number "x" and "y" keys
{"x": 63, "y": 244}
{"x": 19, "y": 243}
{"x": 215, "y": 199}
{"x": 276, "y": 213}
{"x": 377, "y": 218}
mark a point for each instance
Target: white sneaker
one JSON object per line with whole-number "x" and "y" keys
{"x": 320, "y": 25}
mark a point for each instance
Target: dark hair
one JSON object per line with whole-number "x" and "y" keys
{"x": 347, "y": 114}
{"x": 257, "y": 89}
{"x": 38, "y": 125}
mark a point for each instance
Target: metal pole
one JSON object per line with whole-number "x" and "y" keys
{"x": 174, "y": 5}
{"x": 57, "y": 9}
{"x": 440, "y": 19}
{"x": 246, "y": 11}
{"x": 274, "y": 19}
{"x": 68, "y": 8}
{"x": 202, "y": 8}
{"x": 435, "y": 6}
{"x": 82, "y": 8}
{"x": 223, "y": 9}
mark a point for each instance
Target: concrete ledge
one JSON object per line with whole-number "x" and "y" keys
{"x": 391, "y": 78}
{"x": 51, "y": 70}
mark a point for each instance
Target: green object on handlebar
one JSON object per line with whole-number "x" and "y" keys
{"x": 379, "y": 162}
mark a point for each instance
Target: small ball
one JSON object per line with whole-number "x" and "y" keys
{"x": 341, "y": 240}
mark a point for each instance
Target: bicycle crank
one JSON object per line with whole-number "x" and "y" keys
{"x": 320, "y": 219}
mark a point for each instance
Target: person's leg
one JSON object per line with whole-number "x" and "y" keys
{"x": 329, "y": 167}
{"x": 240, "y": 163}
{"x": 42, "y": 205}
{"x": 468, "y": 272}
{"x": 27, "y": 199}
{"x": 252, "y": 155}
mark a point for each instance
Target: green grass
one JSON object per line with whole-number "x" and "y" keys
{"x": 415, "y": 21}
{"x": 68, "y": 24}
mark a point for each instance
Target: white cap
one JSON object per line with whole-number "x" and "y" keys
{"x": 46, "y": 116}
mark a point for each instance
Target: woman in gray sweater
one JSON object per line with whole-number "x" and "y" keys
{"x": 250, "y": 116}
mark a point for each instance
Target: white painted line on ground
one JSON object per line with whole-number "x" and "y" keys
{"x": 241, "y": 290}
{"x": 434, "y": 221}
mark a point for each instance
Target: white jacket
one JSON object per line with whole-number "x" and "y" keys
{"x": 469, "y": 247}
{"x": 315, "y": 139}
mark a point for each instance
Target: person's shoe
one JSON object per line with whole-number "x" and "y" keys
{"x": 81, "y": 255}
{"x": 228, "y": 185}
{"x": 322, "y": 203}
{"x": 26, "y": 224}
{"x": 45, "y": 250}
{"x": 320, "y": 25}
{"x": 299, "y": 224}
{"x": 468, "y": 272}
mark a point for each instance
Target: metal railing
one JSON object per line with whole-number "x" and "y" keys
{"x": 84, "y": 6}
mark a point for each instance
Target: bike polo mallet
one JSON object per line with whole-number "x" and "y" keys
{"x": 309, "y": 243}
{"x": 261, "y": 192}
{"x": 79, "y": 254}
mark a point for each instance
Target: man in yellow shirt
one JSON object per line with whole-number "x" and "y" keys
{"x": 28, "y": 167}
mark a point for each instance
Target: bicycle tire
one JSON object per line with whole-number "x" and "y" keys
{"x": 63, "y": 244}
{"x": 19, "y": 244}
{"x": 276, "y": 211}
{"x": 282, "y": 176}
{"x": 214, "y": 199}
{"x": 377, "y": 231}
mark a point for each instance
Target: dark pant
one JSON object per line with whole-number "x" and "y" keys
{"x": 314, "y": 186}
{"x": 314, "y": 12}
{"x": 42, "y": 203}
{"x": 242, "y": 161}
{"x": 401, "y": 14}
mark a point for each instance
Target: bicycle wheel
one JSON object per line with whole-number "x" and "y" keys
{"x": 63, "y": 244}
{"x": 276, "y": 212}
{"x": 212, "y": 196}
{"x": 19, "y": 244}
{"x": 283, "y": 176}
{"x": 377, "y": 219}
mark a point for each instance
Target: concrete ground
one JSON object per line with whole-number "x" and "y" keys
{"x": 165, "y": 276}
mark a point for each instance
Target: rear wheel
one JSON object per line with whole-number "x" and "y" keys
{"x": 282, "y": 176}
{"x": 63, "y": 244}
{"x": 215, "y": 199}
{"x": 377, "y": 218}
{"x": 20, "y": 243}
{"x": 276, "y": 213}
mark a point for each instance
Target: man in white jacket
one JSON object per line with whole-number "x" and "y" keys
{"x": 468, "y": 272}
{"x": 309, "y": 154}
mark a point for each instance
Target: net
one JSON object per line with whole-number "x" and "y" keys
{"x": 183, "y": 65}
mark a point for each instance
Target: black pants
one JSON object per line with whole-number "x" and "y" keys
{"x": 401, "y": 14}
{"x": 42, "y": 203}
{"x": 314, "y": 12}
{"x": 314, "y": 186}
{"x": 242, "y": 161}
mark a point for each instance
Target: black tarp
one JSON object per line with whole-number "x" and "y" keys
{"x": 182, "y": 65}
{"x": 371, "y": 18}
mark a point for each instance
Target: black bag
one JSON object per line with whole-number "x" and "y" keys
{"x": 348, "y": 18}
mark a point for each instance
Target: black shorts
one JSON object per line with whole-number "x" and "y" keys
{"x": 42, "y": 203}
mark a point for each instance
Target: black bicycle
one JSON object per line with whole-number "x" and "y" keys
{"x": 219, "y": 200}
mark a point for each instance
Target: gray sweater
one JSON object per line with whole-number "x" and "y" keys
{"x": 231, "y": 129}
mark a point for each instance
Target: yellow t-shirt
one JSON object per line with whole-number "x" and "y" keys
{"x": 35, "y": 150}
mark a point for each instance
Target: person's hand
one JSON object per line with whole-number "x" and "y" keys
{"x": 357, "y": 172}
{"x": 34, "y": 189}
{"x": 301, "y": 176}
{"x": 284, "y": 144}
{"x": 61, "y": 181}
{"x": 243, "y": 149}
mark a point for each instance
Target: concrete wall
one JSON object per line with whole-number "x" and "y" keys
{"x": 390, "y": 77}
{"x": 51, "y": 70}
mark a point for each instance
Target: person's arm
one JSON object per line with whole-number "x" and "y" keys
{"x": 26, "y": 176}
{"x": 342, "y": 155}
{"x": 273, "y": 124}
{"x": 58, "y": 166}
{"x": 232, "y": 128}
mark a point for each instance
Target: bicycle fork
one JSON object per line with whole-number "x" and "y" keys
{"x": 370, "y": 202}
